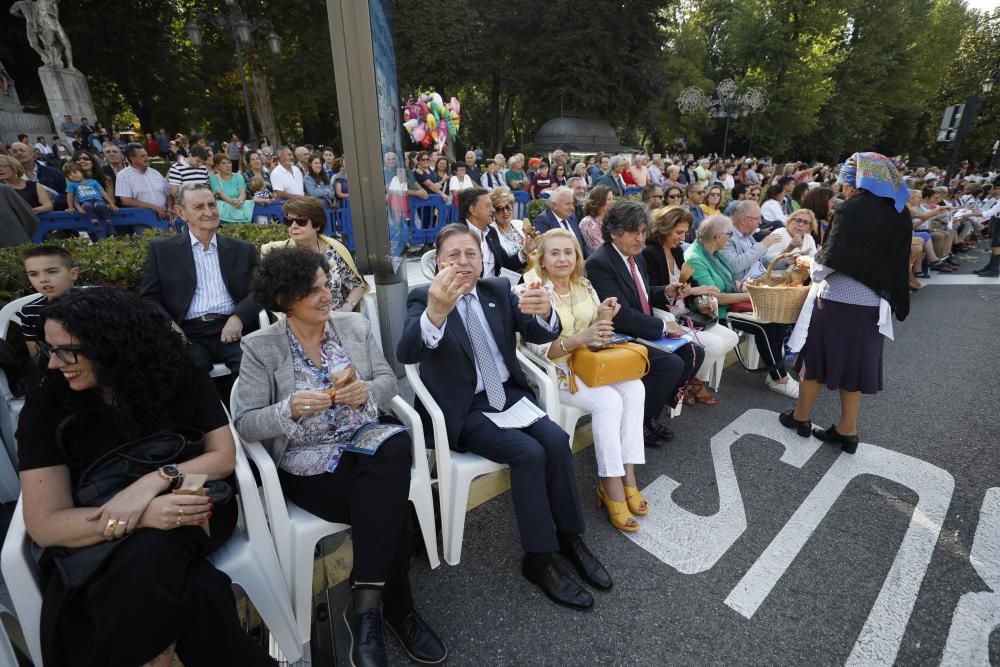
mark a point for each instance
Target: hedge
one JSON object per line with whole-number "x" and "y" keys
{"x": 117, "y": 260}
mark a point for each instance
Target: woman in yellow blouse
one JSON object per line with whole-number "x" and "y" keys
{"x": 712, "y": 203}
{"x": 616, "y": 410}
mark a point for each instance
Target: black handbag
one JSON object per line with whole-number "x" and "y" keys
{"x": 114, "y": 471}
{"x": 701, "y": 321}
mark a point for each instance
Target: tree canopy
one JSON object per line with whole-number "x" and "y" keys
{"x": 840, "y": 75}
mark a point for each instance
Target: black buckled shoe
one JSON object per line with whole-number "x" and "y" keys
{"x": 788, "y": 420}
{"x": 586, "y": 564}
{"x": 418, "y": 640}
{"x": 367, "y": 641}
{"x": 848, "y": 443}
{"x": 656, "y": 434}
{"x": 558, "y": 586}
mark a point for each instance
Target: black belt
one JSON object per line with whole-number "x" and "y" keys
{"x": 208, "y": 317}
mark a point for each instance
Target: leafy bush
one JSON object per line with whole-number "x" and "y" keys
{"x": 536, "y": 208}
{"x": 117, "y": 260}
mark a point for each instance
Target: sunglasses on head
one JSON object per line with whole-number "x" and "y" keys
{"x": 294, "y": 220}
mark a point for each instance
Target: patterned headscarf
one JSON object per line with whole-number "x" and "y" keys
{"x": 878, "y": 175}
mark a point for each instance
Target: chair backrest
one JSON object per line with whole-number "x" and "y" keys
{"x": 21, "y": 576}
{"x": 250, "y": 504}
{"x": 439, "y": 432}
{"x": 11, "y": 311}
{"x": 428, "y": 265}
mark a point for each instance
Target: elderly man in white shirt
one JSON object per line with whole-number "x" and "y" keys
{"x": 743, "y": 252}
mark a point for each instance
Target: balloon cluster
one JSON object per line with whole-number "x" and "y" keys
{"x": 430, "y": 120}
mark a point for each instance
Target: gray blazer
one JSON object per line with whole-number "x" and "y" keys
{"x": 267, "y": 377}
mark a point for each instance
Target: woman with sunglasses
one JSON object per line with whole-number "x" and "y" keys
{"x": 91, "y": 168}
{"x": 154, "y": 594}
{"x": 512, "y": 239}
{"x": 712, "y": 204}
{"x": 304, "y": 217}
{"x": 673, "y": 195}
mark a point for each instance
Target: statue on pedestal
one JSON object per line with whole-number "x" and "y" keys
{"x": 45, "y": 35}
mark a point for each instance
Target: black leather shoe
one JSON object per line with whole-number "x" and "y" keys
{"x": 367, "y": 640}
{"x": 558, "y": 586}
{"x": 848, "y": 443}
{"x": 788, "y": 420}
{"x": 418, "y": 640}
{"x": 990, "y": 273}
{"x": 951, "y": 261}
{"x": 587, "y": 565}
{"x": 651, "y": 440}
{"x": 661, "y": 431}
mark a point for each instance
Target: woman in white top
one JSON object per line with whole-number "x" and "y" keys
{"x": 796, "y": 236}
{"x": 512, "y": 239}
{"x": 460, "y": 181}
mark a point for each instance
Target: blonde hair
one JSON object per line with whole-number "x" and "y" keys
{"x": 808, "y": 213}
{"x": 576, "y": 277}
{"x": 500, "y": 196}
{"x": 14, "y": 165}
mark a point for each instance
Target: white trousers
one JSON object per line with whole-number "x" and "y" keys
{"x": 717, "y": 341}
{"x": 616, "y": 420}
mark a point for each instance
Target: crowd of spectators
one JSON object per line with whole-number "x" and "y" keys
{"x": 652, "y": 247}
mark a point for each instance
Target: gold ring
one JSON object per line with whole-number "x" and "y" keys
{"x": 112, "y": 524}
{"x": 180, "y": 511}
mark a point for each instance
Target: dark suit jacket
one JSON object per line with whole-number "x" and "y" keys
{"x": 168, "y": 280}
{"x": 657, "y": 269}
{"x": 546, "y": 220}
{"x": 609, "y": 180}
{"x": 449, "y": 370}
{"x": 610, "y": 277}
{"x": 500, "y": 257}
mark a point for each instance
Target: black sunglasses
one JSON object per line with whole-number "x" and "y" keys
{"x": 68, "y": 354}
{"x": 502, "y": 209}
{"x": 292, "y": 220}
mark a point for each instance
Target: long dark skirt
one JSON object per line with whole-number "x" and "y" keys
{"x": 156, "y": 589}
{"x": 844, "y": 348}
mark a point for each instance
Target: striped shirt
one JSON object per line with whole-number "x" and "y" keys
{"x": 210, "y": 293}
{"x": 31, "y": 318}
{"x": 181, "y": 173}
{"x": 147, "y": 186}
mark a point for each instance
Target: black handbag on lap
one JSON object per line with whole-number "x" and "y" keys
{"x": 114, "y": 471}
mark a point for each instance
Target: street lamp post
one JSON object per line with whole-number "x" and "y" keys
{"x": 725, "y": 104}
{"x": 972, "y": 104}
{"x": 241, "y": 29}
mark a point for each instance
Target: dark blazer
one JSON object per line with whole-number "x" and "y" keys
{"x": 657, "y": 269}
{"x": 449, "y": 370}
{"x": 546, "y": 220}
{"x": 169, "y": 277}
{"x": 609, "y": 180}
{"x": 500, "y": 257}
{"x": 609, "y": 275}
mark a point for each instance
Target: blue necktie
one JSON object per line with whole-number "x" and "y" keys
{"x": 484, "y": 358}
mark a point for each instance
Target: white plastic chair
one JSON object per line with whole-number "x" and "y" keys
{"x": 248, "y": 558}
{"x": 750, "y": 357}
{"x": 428, "y": 265}
{"x": 21, "y": 576}
{"x": 296, "y": 531}
{"x": 566, "y": 416}
{"x": 7, "y": 655}
{"x": 456, "y": 470}
{"x": 10, "y": 409}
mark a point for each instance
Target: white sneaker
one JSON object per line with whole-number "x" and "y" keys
{"x": 790, "y": 388}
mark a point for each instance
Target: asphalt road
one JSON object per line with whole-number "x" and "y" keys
{"x": 873, "y": 583}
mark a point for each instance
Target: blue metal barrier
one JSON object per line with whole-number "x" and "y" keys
{"x": 427, "y": 217}
{"x": 521, "y": 200}
{"x": 633, "y": 190}
{"x": 78, "y": 222}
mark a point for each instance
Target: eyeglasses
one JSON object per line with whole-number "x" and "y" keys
{"x": 502, "y": 209}
{"x": 674, "y": 196}
{"x": 293, "y": 220}
{"x": 728, "y": 234}
{"x": 801, "y": 221}
{"x": 68, "y": 354}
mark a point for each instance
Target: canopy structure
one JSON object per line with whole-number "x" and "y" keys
{"x": 579, "y": 135}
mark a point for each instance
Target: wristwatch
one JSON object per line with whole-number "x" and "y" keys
{"x": 171, "y": 473}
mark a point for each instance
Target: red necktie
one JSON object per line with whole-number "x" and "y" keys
{"x": 643, "y": 301}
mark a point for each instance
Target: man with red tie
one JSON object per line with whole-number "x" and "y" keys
{"x": 616, "y": 269}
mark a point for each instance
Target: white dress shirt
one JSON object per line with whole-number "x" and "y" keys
{"x": 489, "y": 261}
{"x": 771, "y": 211}
{"x": 210, "y": 293}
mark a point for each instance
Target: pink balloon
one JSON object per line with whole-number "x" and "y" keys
{"x": 418, "y": 133}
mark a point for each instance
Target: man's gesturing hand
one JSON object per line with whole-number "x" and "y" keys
{"x": 444, "y": 292}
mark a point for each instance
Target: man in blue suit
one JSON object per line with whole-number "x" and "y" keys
{"x": 461, "y": 330}
{"x": 561, "y": 214}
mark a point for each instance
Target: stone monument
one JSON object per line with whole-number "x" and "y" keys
{"x": 65, "y": 87}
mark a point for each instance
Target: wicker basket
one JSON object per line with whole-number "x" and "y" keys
{"x": 776, "y": 303}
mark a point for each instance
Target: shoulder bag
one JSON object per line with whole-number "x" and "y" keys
{"x": 608, "y": 365}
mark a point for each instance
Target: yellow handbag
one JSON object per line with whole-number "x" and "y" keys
{"x": 614, "y": 363}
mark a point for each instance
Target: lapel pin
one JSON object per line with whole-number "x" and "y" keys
{"x": 493, "y": 305}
